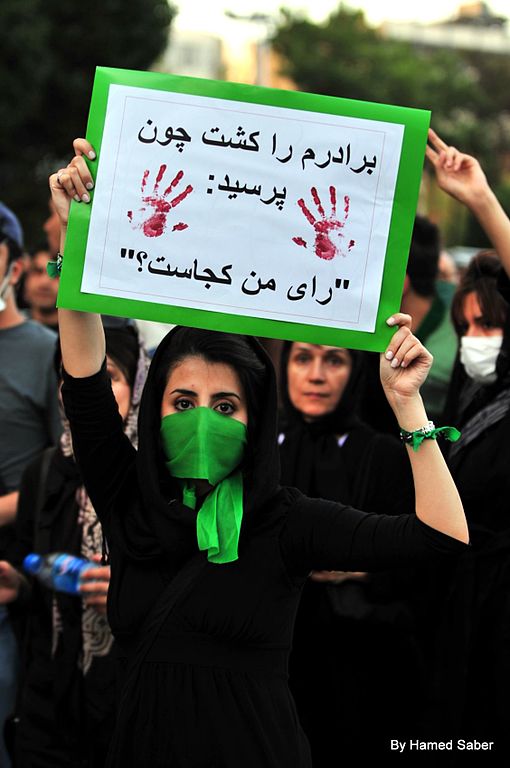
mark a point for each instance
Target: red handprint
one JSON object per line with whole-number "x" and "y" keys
{"x": 325, "y": 248}
{"x": 158, "y": 206}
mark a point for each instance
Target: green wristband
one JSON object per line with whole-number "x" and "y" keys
{"x": 54, "y": 268}
{"x": 428, "y": 432}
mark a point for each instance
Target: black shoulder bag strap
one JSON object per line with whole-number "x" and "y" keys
{"x": 47, "y": 456}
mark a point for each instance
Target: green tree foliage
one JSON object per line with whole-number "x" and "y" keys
{"x": 346, "y": 57}
{"x": 48, "y": 56}
{"x": 467, "y": 92}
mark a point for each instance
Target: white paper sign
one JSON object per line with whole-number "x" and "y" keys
{"x": 242, "y": 208}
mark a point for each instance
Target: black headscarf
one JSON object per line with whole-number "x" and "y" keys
{"x": 123, "y": 348}
{"x": 465, "y": 397}
{"x": 309, "y": 451}
{"x": 170, "y": 521}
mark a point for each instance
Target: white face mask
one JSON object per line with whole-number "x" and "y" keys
{"x": 478, "y": 355}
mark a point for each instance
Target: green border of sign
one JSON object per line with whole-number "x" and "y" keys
{"x": 416, "y": 124}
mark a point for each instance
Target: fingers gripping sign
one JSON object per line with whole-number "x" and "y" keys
{"x": 74, "y": 182}
{"x": 405, "y": 364}
{"x": 152, "y": 216}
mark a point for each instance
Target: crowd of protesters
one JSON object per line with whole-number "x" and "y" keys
{"x": 428, "y": 634}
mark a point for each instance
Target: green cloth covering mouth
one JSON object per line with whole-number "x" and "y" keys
{"x": 202, "y": 444}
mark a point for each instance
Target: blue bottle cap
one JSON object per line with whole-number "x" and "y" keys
{"x": 32, "y": 562}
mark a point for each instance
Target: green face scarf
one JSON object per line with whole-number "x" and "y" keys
{"x": 202, "y": 444}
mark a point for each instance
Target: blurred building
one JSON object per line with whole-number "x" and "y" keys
{"x": 474, "y": 27}
{"x": 242, "y": 58}
{"x": 258, "y": 64}
{"x": 194, "y": 54}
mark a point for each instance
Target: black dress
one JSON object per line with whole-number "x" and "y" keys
{"x": 213, "y": 690}
{"x": 355, "y": 641}
{"x": 473, "y": 634}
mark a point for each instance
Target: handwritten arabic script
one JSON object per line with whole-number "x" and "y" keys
{"x": 250, "y": 286}
{"x": 257, "y": 141}
{"x": 242, "y": 208}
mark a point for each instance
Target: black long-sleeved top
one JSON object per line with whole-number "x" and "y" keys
{"x": 213, "y": 689}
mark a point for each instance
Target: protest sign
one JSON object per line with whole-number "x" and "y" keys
{"x": 246, "y": 209}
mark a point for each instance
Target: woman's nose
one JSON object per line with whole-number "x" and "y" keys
{"x": 316, "y": 371}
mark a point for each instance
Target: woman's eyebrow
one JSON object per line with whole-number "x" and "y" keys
{"x": 214, "y": 396}
{"x": 225, "y": 394}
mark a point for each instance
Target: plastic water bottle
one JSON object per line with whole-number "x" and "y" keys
{"x": 58, "y": 570}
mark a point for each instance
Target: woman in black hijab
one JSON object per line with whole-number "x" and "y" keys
{"x": 474, "y": 683}
{"x": 66, "y": 701}
{"x": 347, "y": 622}
{"x": 473, "y": 637}
{"x": 205, "y": 636}
{"x": 326, "y": 450}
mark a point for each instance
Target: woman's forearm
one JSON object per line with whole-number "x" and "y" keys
{"x": 81, "y": 337}
{"x": 438, "y": 502}
{"x": 496, "y": 224}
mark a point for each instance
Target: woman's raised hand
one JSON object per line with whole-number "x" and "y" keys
{"x": 458, "y": 174}
{"x": 74, "y": 181}
{"x": 462, "y": 177}
{"x": 405, "y": 364}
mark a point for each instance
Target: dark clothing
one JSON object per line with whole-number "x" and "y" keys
{"x": 213, "y": 691}
{"x": 473, "y": 628}
{"x": 344, "y": 631}
{"x": 473, "y": 635}
{"x": 66, "y": 718}
{"x": 369, "y": 470}
{"x": 29, "y": 412}
{"x": 29, "y": 415}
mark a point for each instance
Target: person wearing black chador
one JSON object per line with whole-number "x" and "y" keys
{"x": 347, "y": 622}
{"x": 208, "y": 551}
{"x": 473, "y": 636}
{"x": 66, "y": 701}
{"x": 473, "y": 680}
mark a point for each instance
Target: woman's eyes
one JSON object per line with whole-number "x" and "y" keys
{"x": 335, "y": 361}
{"x": 225, "y": 408}
{"x": 183, "y": 405}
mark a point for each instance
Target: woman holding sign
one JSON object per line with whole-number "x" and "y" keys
{"x": 208, "y": 552}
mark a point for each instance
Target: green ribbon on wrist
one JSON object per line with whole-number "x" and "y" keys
{"x": 428, "y": 432}
{"x": 54, "y": 268}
